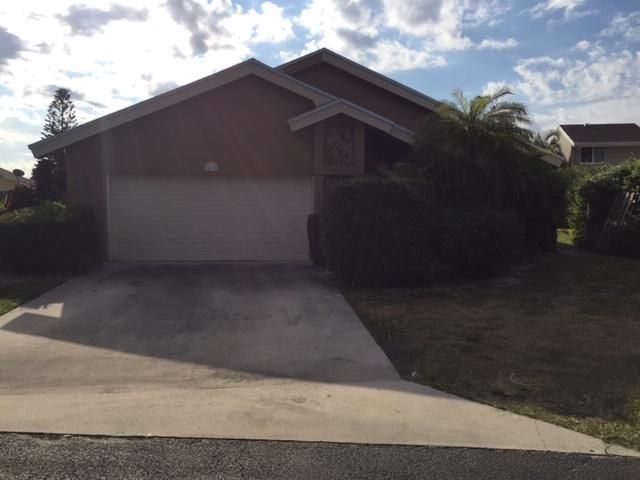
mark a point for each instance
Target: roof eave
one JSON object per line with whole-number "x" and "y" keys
{"x": 366, "y": 74}
{"x": 167, "y": 99}
{"x": 607, "y": 144}
{"x": 341, "y": 106}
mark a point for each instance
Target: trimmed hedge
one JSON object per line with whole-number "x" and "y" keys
{"x": 48, "y": 238}
{"x": 376, "y": 232}
{"x": 390, "y": 232}
{"x": 479, "y": 243}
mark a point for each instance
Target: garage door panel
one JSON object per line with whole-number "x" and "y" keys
{"x": 209, "y": 219}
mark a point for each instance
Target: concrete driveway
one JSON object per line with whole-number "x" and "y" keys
{"x": 262, "y": 351}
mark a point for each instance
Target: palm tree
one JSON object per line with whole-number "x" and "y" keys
{"x": 487, "y": 115}
{"x": 477, "y": 150}
{"x": 552, "y": 139}
{"x": 547, "y": 139}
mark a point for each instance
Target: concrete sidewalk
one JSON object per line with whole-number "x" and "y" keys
{"x": 230, "y": 351}
{"x": 387, "y": 412}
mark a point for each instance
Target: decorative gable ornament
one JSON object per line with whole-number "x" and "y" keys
{"x": 211, "y": 167}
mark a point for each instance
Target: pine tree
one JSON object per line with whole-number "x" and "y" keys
{"x": 49, "y": 172}
{"x": 61, "y": 115}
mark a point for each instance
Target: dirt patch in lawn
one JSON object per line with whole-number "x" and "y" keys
{"x": 562, "y": 343}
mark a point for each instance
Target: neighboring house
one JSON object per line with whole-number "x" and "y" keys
{"x": 8, "y": 180}
{"x": 592, "y": 144}
{"x": 230, "y": 166}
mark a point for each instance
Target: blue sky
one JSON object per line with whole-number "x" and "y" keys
{"x": 569, "y": 60}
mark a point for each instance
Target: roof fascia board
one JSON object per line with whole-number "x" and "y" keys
{"x": 351, "y": 110}
{"x": 548, "y": 156}
{"x": 566, "y": 135}
{"x": 607, "y": 144}
{"x": 8, "y": 175}
{"x": 364, "y": 73}
{"x": 173, "y": 97}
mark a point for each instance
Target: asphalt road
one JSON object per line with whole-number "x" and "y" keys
{"x": 69, "y": 457}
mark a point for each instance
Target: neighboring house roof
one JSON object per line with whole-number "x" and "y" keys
{"x": 223, "y": 77}
{"x": 327, "y": 56}
{"x": 7, "y": 175}
{"x": 603, "y": 134}
{"x": 548, "y": 156}
{"x": 341, "y": 106}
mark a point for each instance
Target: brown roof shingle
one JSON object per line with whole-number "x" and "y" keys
{"x": 603, "y": 132}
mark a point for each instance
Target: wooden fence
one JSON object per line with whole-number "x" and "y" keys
{"x": 624, "y": 206}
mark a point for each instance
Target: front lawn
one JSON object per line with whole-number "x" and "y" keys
{"x": 13, "y": 294}
{"x": 559, "y": 341}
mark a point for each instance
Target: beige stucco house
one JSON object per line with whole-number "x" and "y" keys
{"x": 592, "y": 144}
{"x": 8, "y": 180}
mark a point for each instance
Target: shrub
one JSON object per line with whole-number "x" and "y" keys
{"x": 592, "y": 197}
{"x": 479, "y": 243}
{"x": 48, "y": 238}
{"x": 390, "y": 232}
{"x": 512, "y": 180}
{"x": 627, "y": 240}
{"x": 21, "y": 197}
{"x": 375, "y": 232}
{"x": 315, "y": 247}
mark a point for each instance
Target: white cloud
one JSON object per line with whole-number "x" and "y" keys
{"x": 491, "y": 87}
{"x": 547, "y": 80}
{"x": 491, "y": 44}
{"x": 616, "y": 110}
{"x": 111, "y": 56}
{"x": 571, "y": 9}
{"x": 597, "y": 86}
{"x": 393, "y": 56}
{"x": 391, "y": 35}
{"x": 582, "y": 45}
{"x": 625, "y": 25}
{"x": 439, "y": 22}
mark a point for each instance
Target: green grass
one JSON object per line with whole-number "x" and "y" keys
{"x": 565, "y": 237}
{"x": 16, "y": 294}
{"x": 560, "y": 341}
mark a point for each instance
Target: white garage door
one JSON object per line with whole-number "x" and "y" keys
{"x": 209, "y": 219}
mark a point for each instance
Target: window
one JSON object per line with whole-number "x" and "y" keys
{"x": 598, "y": 155}
{"x": 591, "y": 155}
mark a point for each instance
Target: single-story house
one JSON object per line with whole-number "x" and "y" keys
{"x": 8, "y": 180}
{"x": 592, "y": 144}
{"x": 230, "y": 166}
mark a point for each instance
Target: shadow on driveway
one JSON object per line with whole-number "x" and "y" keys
{"x": 242, "y": 322}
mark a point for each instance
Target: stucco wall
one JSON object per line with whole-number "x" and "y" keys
{"x": 565, "y": 148}
{"x": 612, "y": 155}
{"x": 6, "y": 184}
{"x": 241, "y": 126}
{"x": 344, "y": 85}
{"x": 620, "y": 154}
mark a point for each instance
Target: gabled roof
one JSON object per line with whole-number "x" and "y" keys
{"x": 327, "y": 56}
{"x": 172, "y": 97}
{"x": 588, "y": 134}
{"x": 341, "y": 106}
